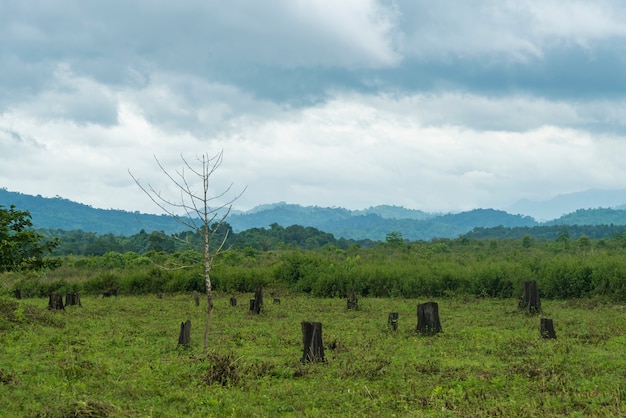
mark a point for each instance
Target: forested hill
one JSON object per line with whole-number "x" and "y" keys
{"x": 373, "y": 223}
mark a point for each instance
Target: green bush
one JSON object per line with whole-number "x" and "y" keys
{"x": 101, "y": 283}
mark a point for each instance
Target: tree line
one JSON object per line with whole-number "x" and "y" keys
{"x": 275, "y": 237}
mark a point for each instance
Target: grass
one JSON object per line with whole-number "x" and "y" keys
{"x": 120, "y": 357}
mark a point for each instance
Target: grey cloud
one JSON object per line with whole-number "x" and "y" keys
{"x": 299, "y": 53}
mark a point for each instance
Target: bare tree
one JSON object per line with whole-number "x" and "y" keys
{"x": 194, "y": 209}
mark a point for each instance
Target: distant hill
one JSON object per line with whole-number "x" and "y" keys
{"x": 373, "y": 223}
{"x": 567, "y": 203}
{"x": 65, "y": 214}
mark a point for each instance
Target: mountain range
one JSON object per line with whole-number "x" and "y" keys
{"x": 594, "y": 207}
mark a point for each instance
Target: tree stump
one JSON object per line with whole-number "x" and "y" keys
{"x": 312, "y": 340}
{"x": 255, "y": 307}
{"x": 73, "y": 299}
{"x": 185, "y": 333}
{"x": 258, "y": 295}
{"x": 428, "y": 322}
{"x": 547, "y": 328}
{"x": 111, "y": 292}
{"x": 233, "y": 302}
{"x": 530, "y": 300}
{"x": 196, "y": 297}
{"x": 353, "y": 302}
{"x": 392, "y": 320}
{"x": 17, "y": 293}
{"x": 55, "y": 302}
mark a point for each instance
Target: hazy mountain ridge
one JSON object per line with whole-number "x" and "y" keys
{"x": 558, "y": 206}
{"x": 372, "y": 223}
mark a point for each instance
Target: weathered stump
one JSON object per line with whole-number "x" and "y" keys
{"x": 111, "y": 292}
{"x": 353, "y": 302}
{"x": 55, "y": 302}
{"x": 17, "y": 293}
{"x": 233, "y": 302}
{"x": 547, "y": 328}
{"x": 185, "y": 333}
{"x": 428, "y": 322}
{"x": 73, "y": 299}
{"x": 196, "y": 297}
{"x": 255, "y": 307}
{"x": 258, "y": 295}
{"x": 312, "y": 340}
{"x": 530, "y": 300}
{"x": 392, "y": 320}
{"x": 276, "y": 301}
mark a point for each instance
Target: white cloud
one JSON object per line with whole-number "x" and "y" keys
{"x": 515, "y": 30}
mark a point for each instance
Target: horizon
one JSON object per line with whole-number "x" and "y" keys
{"x": 440, "y": 213}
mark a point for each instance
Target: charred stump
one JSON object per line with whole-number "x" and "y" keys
{"x": 530, "y": 300}
{"x": 73, "y": 299}
{"x": 255, "y": 307}
{"x": 258, "y": 295}
{"x": 196, "y": 298}
{"x": 353, "y": 302}
{"x": 185, "y": 333}
{"x": 547, "y": 328}
{"x": 111, "y": 292}
{"x": 55, "y": 302}
{"x": 233, "y": 301}
{"x": 392, "y": 320}
{"x": 312, "y": 340}
{"x": 428, "y": 322}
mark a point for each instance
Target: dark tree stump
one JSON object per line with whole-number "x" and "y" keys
{"x": 55, "y": 302}
{"x": 428, "y": 322}
{"x": 312, "y": 340}
{"x": 233, "y": 302}
{"x": 73, "y": 299}
{"x": 255, "y": 307}
{"x": 185, "y": 333}
{"x": 111, "y": 292}
{"x": 392, "y": 321}
{"x": 258, "y": 295}
{"x": 353, "y": 302}
{"x": 196, "y": 297}
{"x": 530, "y": 300}
{"x": 547, "y": 328}
{"x": 17, "y": 293}
{"x": 276, "y": 301}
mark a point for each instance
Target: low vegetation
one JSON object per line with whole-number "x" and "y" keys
{"x": 120, "y": 357}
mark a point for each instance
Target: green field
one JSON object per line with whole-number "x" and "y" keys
{"x": 120, "y": 357}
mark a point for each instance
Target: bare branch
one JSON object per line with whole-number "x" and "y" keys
{"x": 199, "y": 216}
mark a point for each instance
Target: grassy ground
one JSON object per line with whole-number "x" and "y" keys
{"x": 119, "y": 357}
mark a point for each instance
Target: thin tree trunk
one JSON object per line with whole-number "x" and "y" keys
{"x": 209, "y": 292}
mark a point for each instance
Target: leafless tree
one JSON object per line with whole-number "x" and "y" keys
{"x": 194, "y": 209}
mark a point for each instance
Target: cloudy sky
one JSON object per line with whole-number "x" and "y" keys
{"x": 440, "y": 106}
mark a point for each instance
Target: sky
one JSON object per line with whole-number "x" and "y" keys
{"x": 440, "y": 106}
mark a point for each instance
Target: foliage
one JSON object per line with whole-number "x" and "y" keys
{"x": 479, "y": 268}
{"x": 22, "y": 248}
